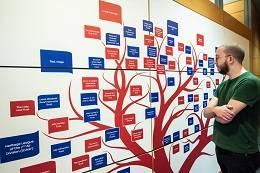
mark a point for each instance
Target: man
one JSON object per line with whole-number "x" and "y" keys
{"x": 236, "y": 109}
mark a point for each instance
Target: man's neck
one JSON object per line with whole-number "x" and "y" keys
{"x": 235, "y": 72}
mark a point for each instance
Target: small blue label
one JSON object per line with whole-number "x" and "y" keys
{"x": 91, "y": 115}
{"x": 189, "y": 71}
{"x": 61, "y": 149}
{"x": 186, "y": 148}
{"x": 150, "y": 113}
{"x": 170, "y": 41}
{"x": 190, "y": 121}
{"x": 133, "y": 51}
{"x": 200, "y": 63}
{"x": 112, "y": 39}
{"x": 167, "y": 140}
{"x": 154, "y": 97}
{"x": 129, "y": 32}
{"x": 48, "y": 101}
{"x": 196, "y": 128}
{"x": 111, "y": 134}
{"x": 171, "y": 81}
{"x": 206, "y": 96}
{"x": 99, "y": 161}
{"x": 212, "y": 71}
{"x": 196, "y": 108}
{"x": 163, "y": 59}
{"x": 126, "y": 170}
{"x": 172, "y": 27}
{"x": 205, "y": 103}
{"x": 96, "y": 63}
{"x": 19, "y": 147}
{"x": 176, "y": 136}
{"x": 56, "y": 61}
{"x": 187, "y": 49}
{"x": 147, "y": 26}
{"x": 88, "y": 99}
{"x": 151, "y": 51}
{"x": 205, "y": 71}
{"x": 211, "y": 62}
{"x": 190, "y": 98}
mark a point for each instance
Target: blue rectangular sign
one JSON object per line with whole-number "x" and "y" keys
{"x": 196, "y": 128}
{"x": 154, "y": 97}
{"x": 96, "y": 63}
{"x": 171, "y": 81}
{"x": 167, "y": 140}
{"x": 211, "y": 62}
{"x": 187, "y": 49}
{"x": 61, "y": 149}
{"x": 147, "y": 26}
{"x": 129, "y": 32}
{"x": 200, "y": 63}
{"x": 48, "y": 101}
{"x": 112, "y": 39}
{"x": 170, "y": 41}
{"x": 151, "y": 51}
{"x": 206, "y": 96}
{"x": 186, "y": 148}
{"x": 150, "y": 113}
{"x": 111, "y": 134}
{"x": 172, "y": 27}
{"x": 205, "y": 71}
{"x": 19, "y": 147}
{"x": 88, "y": 99}
{"x": 133, "y": 51}
{"x": 190, "y": 98}
{"x": 99, "y": 161}
{"x": 189, "y": 71}
{"x": 190, "y": 121}
{"x": 126, "y": 170}
{"x": 163, "y": 59}
{"x": 91, "y": 115}
{"x": 196, "y": 108}
{"x": 55, "y": 61}
{"x": 176, "y": 136}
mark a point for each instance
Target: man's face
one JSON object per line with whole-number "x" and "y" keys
{"x": 221, "y": 61}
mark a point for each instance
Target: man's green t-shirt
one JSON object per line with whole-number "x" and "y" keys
{"x": 240, "y": 135}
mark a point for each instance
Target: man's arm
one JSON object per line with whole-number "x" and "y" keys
{"x": 222, "y": 114}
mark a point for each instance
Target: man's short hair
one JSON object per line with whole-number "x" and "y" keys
{"x": 234, "y": 50}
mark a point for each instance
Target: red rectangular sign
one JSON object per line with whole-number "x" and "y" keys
{"x": 195, "y": 81}
{"x": 217, "y": 81}
{"x": 20, "y": 108}
{"x": 188, "y": 60}
{"x": 89, "y": 83}
{"x": 158, "y": 32}
{"x": 180, "y": 47}
{"x": 200, "y": 39}
{"x": 136, "y": 90}
{"x": 196, "y": 97}
{"x": 49, "y": 167}
{"x": 137, "y": 134}
{"x": 160, "y": 69}
{"x": 205, "y": 57}
{"x": 92, "y": 32}
{"x": 110, "y": 12}
{"x": 58, "y": 124}
{"x": 128, "y": 119}
{"x": 80, "y": 162}
{"x": 175, "y": 148}
{"x": 109, "y": 95}
{"x": 181, "y": 100}
{"x": 148, "y": 40}
{"x": 149, "y": 63}
{"x": 92, "y": 144}
{"x": 185, "y": 132}
{"x": 172, "y": 65}
{"x": 168, "y": 50}
{"x": 208, "y": 84}
{"x": 131, "y": 64}
{"x": 112, "y": 53}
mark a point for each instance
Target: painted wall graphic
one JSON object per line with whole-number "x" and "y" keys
{"x": 95, "y": 86}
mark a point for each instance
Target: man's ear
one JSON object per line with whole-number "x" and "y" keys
{"x": 231, "y": 59}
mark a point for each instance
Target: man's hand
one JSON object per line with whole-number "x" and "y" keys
{"x": 224, "y": 114}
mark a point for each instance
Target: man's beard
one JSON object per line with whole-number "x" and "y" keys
{"x": 223, "y": 69}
